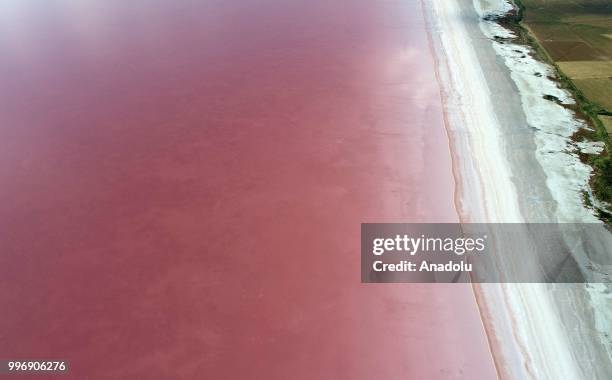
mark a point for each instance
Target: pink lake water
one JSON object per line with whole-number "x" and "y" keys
{"x": 182, "y": 185}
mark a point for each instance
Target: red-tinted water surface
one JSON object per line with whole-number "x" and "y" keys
{"x": 182, "y": 185}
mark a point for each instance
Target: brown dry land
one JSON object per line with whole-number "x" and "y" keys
{"x": 607, "y": 122}
{"x": 576, "y": 34}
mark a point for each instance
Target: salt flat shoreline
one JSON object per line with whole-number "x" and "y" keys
{"x": 497, "y": 156}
